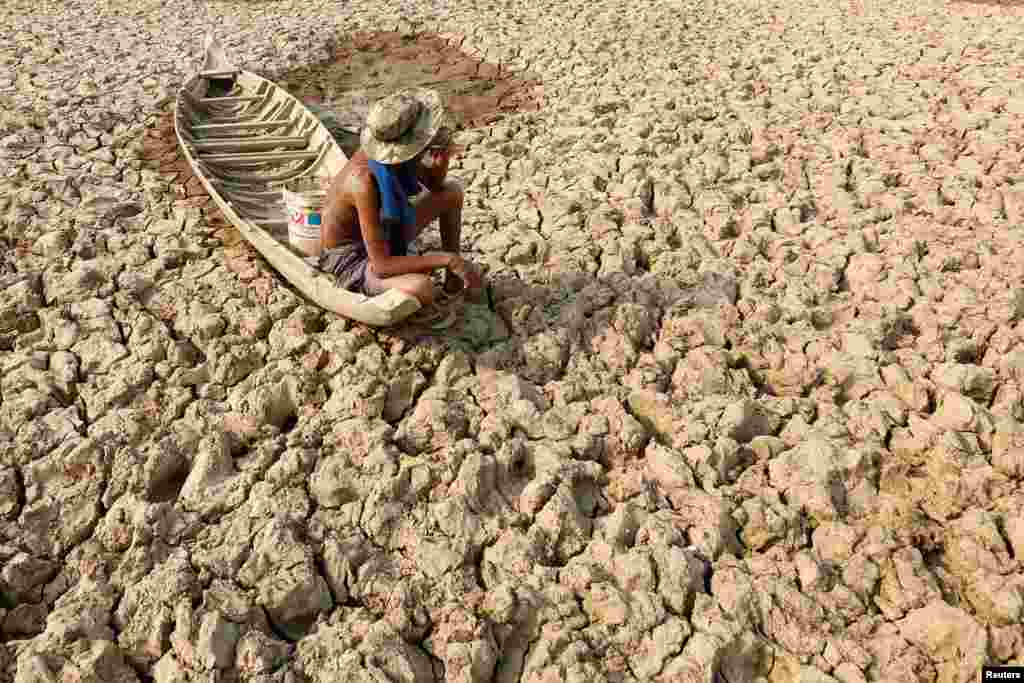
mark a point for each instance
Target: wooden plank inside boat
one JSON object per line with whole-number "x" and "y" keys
{"x": 216, "y": 75}
{"x": 237, "y": 99}
{"x": 257, "y": 157}
{"x": 249, "y": 125}
{"x": 257, "y": 143}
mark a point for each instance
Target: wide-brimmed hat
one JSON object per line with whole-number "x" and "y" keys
{"x": 400, "y": 126}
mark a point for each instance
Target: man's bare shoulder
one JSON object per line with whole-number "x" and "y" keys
{"x": 357, "y": 178}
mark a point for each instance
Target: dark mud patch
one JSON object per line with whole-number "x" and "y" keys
{"x": 367, "y": 66}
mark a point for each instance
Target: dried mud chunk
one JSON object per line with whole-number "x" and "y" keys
{"x": 861, "y": 575}
{"x": 294, "y": 333}
{"x": 952, "y": 637}
{"x": 978, "y": 383}
{"x": 384, "y": 649}
{"x": 20, "y": 297}
{"x": 681, "y": 576}
{"x": 84, "y": 281}
{"x": 335, "y": 481}
{"x": 546, "y": 355}
{"x": 99, "y": 660}
{"x": 24, "y": 621}
{"x": 707, "y": 657}
{"x": 144, "y": 616}
{"x": 477, "y": 484}
{"x": 814, "y": 475}
{"x": 258, "y": 653}
{"x": 980, "y": 559}
{"x": 906, "y": 584}
{"x": 974, "y": 542}
{"x": 709, "y": 372}
{"x": 703, "y": 327}
{"x": 561, "y": 653}
{"x": 958, "y": 413}
{"x": 666, "y": 640}
{"x": 235, "y": 603}
{"x": 23, "y": 577}
{"x": 232, "y": 365}
{"x": 62, "y": 497}
{"x": 1008, "y": 447}
{"x": 869, "y": 421}
{"x": 42, "y": 435}
{"x": 765, "y": 520}
{"x": 619, "y": 529}
{"x": 10, "y": 493}
{"x": 98, "y": 354}
{"x": 216, "y": 641}
{"x": 668, "y": 468}
{"x": 402, "y": 393}
{"x": 330, "y": 656}
{"x": 273, "y": 403}
{"x": 342, "y": 559}
{"x": 621, "y": 436}
{"x": 466, "y": 645}
{"x": 504, "y": 392}
{"x": 1007, "y": 642}
{"x": 104, "y": 393}
{"x": 746, "y": 420}
{"x": 563, "y": 525}
{"x": 284, "y": 572}
{"x": 656, "y": 411}
{"x": 213, "y": 485}
{"x": 996, "y": 598}
{"x": 789, "y": 617}
{"x": 83, "y": 612}
{"x": 511, "y": 558}
{"x": 436, "y": 421}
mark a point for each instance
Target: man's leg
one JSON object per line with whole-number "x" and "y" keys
{"x": 413, "y": 284}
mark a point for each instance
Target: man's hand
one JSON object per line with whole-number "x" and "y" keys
{"x": 466, "y": 272}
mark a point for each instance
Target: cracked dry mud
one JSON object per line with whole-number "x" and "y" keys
{"x": 754, "y": 411}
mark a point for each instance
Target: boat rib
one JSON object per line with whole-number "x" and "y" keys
{"x": 245, "y": 146}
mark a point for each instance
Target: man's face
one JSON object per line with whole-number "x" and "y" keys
{"x": 442, "y": 139}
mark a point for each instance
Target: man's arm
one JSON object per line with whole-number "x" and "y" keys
{"x": 377, "y": 246}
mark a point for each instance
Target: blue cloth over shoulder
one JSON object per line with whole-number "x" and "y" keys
{"x": 397, "y": 184}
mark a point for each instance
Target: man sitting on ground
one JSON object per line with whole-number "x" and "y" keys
{"x": 370, "y": 216}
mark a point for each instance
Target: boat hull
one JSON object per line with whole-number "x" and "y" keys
{"x": 246, "y": 146}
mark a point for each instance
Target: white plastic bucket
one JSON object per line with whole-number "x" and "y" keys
{"x": 305, "y": 218}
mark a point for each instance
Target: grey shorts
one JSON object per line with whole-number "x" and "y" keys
{"x": 350, "y": 265}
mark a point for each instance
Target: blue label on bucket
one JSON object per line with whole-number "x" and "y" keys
{"x": 314, "y": 219}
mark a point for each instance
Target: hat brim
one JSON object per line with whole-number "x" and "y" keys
{"x": 414, "y": 140}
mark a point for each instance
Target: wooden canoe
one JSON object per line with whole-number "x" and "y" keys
{"x": 246, "y": 139}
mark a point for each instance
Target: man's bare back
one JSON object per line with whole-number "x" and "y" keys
{"x": 341, "y": 217}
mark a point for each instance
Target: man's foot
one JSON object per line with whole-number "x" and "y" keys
{"x": 434, "y": 316}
